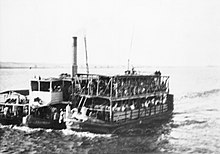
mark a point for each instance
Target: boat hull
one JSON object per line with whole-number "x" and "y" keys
{"x": 115, "y": 127}
{"x": 10, "y": 120}
{"x": 36, "y": 122}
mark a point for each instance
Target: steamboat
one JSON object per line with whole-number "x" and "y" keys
{"x": 107, "y": 104}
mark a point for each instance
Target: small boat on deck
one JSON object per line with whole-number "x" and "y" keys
{"x": 13, "y": 106}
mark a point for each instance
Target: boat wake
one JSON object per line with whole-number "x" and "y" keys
{"x": 142, "y": 138}
{"x": 65, "y": 132}
{"x": 193, "y": 95}
{"x": 84, "y": 134}
{"x": 26, "y": 129}
{"x": 187, "y": 123}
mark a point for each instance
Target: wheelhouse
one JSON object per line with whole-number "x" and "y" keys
{"x": 50, "y": 91}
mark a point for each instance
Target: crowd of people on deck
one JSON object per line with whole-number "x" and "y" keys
{"x": 13, "y": 111}
{"x": 14, "y": 107}
{"x": 137, "y": 86}
{"x": 49, "y": 113}
{"x": 137, "y": 104}
{"x": 102, "y": 111}
{"x": 16, "y": 100}
{"x": 123, "y": 86}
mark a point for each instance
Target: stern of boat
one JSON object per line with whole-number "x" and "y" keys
{"x": 170, "y": 100}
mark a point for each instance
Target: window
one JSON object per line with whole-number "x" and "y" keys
{"x": 34, "y": 85}
{"x": 56, "y": 86}
{"x": 44, "y": 86}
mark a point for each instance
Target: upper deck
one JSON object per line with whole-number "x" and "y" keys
{"x": 121, "y": 86}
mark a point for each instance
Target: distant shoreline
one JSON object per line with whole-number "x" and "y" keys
{"x": 54, "y": 67}
{"x": 17, "y": 65}
{"x": 29, "y": 67}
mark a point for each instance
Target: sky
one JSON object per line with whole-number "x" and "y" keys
{"x": 148, "y": 32}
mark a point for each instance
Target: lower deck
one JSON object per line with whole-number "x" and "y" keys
{"x": 128, "y": 118}
{"x": 116, "y": 127}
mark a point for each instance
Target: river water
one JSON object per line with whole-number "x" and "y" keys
{"x": 193, "y": 128}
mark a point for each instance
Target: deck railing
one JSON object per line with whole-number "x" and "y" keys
{"x": 139, "y": 113}
{"x": 121, "y": 86}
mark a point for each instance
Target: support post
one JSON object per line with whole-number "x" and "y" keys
{"x": 74, "y": 64}
{"x": 111, "y": 112}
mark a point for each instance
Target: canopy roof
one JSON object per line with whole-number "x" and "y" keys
{"x": 117, "y": 76}
{"x": 24, "y": 92}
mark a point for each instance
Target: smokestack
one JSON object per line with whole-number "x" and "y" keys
{"x": 74, "y": 65}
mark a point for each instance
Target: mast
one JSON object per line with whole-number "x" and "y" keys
{"x": 128, "y": 63}
{"x": 131, "y": 43}
{"x": 87, "y": 65}
{"x": 74, "y": 64}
